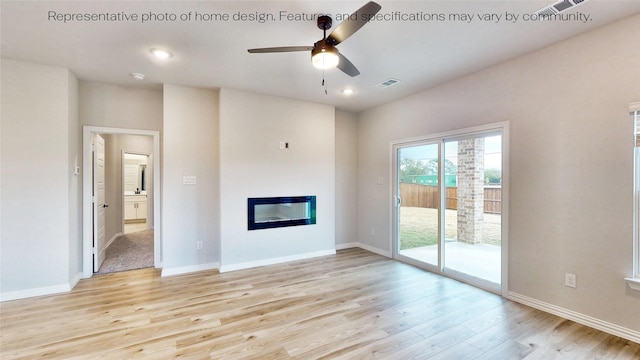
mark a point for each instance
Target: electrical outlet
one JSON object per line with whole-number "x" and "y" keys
{"x": 199, "y": 245}
{"x": 570, "y": 280}
{"x": 373, "y": 232}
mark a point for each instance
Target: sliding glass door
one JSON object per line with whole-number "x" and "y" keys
{"x": 448, "y": 205}
{"x": 473, "y": 246}
{"x": 418, "y": 205}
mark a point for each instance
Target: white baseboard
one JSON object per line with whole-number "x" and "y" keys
{"x": 605, "y": 326}
{"x": 189, "y": 269}
{"x": 74, "y": 281}
{"x": 113, "y": 238}
{"x": 347, "y": 246}
{"x": 278, "y": 260}
{"x": 374, "y": 250}
{"x": 46, "y": 290}
{"x": 360, "y": 245}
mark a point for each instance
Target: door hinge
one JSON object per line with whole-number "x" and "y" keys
{"x": 93, "y": 250}
{"x": 93, "y": 199}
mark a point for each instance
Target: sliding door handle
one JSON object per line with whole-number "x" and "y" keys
{"x": 398, "y": 201}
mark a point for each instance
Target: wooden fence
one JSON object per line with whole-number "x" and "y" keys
{"x": 426, "y": 196}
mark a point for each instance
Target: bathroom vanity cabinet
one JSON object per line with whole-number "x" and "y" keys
{"x": 135, "y": 208}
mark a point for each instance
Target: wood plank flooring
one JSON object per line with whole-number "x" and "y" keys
{"x": 354, "y": 305}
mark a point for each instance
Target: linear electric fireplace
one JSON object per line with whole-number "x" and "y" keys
{"x": 274, "y": 212}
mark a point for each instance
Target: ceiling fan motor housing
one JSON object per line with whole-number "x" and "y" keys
{"x": 324, "y": 22}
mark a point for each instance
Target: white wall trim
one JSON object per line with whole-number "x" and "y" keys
{"x": 595, "y": 323}
{"x": 75, "y": 280}
{"x": 33, "y": 292}
{"x": 190, "y": 269}
{"x": 347, "y": 245}
{"x": 375, "y": 250}
{"x": 278, "y": 260}
{"x": 42, "y": 291}
{"x": 362, "y": 246}
{"x": 117, "y": 235}
{"x": 633, "y": 283}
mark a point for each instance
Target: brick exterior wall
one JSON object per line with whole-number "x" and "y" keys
{"x": 470, "y": 190}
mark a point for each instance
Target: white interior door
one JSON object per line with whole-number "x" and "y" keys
{"x": 99, "y": 206}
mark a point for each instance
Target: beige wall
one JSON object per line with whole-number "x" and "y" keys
{"x": 75, "y": 180}
{"x": 120, "y": 107}
{"x": 190, "y": 213}
{"x": 570, "y": 164}
{"x": 40, "y": 192}
{"x": 253, "y": 165}
{"x": 346, "y": 137}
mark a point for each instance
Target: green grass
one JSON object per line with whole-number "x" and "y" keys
{"x": 411, "y": 238}
{"x": 419, "y": 227}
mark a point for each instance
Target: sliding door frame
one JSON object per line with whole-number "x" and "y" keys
{"x": 503, "y": 128}
{"x": 395, "y": 218}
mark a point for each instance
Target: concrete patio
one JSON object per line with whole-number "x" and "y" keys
{"x": 480, "y": 260}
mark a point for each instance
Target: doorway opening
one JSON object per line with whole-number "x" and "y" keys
{"x": 135, "y": 175}
{"x": 450, "y": 204}
{"x": 119, "y": 142}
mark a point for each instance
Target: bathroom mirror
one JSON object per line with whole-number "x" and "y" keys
{"x": 135, "y": 173}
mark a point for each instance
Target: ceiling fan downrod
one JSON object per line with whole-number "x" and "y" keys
{"x": 324, "y": 23}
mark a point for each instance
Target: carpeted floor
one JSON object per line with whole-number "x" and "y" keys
{"x": 128, "y": 252}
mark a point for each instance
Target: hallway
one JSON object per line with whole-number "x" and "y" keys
{"x": 133, "y": 250}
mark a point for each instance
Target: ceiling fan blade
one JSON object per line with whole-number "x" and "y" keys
{"x": 353, "y": 23}
{"x": 280, "y": 49}
{"x": 347, "y": 66}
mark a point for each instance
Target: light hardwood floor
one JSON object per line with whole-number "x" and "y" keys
{"x": 355, "y": 305}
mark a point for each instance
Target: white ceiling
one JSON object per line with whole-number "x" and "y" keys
{"x": 210, "y": 54}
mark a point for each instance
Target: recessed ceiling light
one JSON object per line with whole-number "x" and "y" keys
{"x": 161, "y": 54}
{"x": 348, "y": 91}
{"x": 137, "y": 76}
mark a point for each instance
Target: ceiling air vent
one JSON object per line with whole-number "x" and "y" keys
{"x": 558, "y": 7}
{"x": 387, "y": 83}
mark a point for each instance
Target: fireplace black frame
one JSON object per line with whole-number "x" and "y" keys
{"x": 252, "y": 224}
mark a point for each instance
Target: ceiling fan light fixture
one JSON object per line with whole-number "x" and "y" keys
{"x": 324, "y": 56}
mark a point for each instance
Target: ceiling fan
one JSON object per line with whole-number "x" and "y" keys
{"x": 324, "y": 54}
